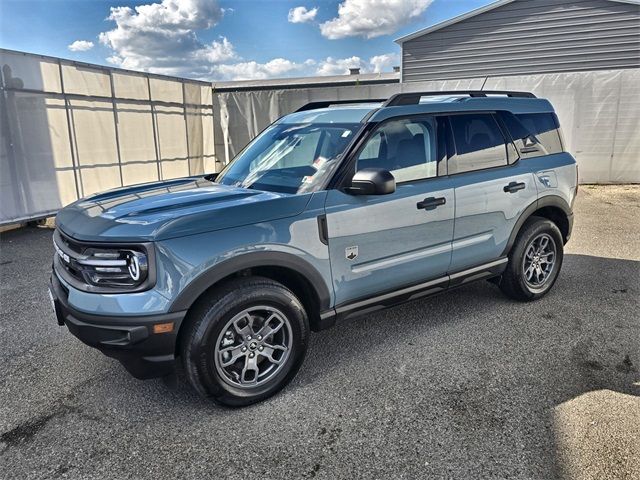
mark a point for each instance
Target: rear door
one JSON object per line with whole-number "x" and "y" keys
{"x": 492, "y": 188}
{"x": 379, "y": 243}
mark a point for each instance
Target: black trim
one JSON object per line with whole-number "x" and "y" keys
{"x": 130, "y": 340}
{"x": 541, "y": 202}
{"x": 413, "y": 98}
{"x": 323, "y": 232}
{"x": 217, "y": 272}
{"x": 487, "y": 270}
{"x": 413, "y": 292}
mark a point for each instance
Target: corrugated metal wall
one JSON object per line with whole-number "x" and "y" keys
{"x": 528, "y": 37}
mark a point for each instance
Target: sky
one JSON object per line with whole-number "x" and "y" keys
{"x": 220, "y": 40}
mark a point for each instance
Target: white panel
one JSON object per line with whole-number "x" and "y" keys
{"x": 30, "y": 72}
{"x": 99, "y": 179}
{"x": 95, "y": 135}
{"x": 127, "y": 85}
{"x": 166, "y": 90}
{"x": 86, "y": 81}
{"x": 173, "y": 141}
{"x": 134, "y": 173}
{"x": 137, "y": 148}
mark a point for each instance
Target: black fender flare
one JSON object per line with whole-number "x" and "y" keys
{"x": 217, "y": 272}
{"x": 545, "y": 201}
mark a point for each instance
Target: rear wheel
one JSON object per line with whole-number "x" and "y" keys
{"x": 246, "y": 342}
{"x": 534, "y": 261}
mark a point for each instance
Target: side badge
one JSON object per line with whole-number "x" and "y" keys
{"x": 351, "y": 253}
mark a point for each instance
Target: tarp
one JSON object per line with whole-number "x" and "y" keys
{"x": 69, "y": 130}
{"x": 599, "y": 112}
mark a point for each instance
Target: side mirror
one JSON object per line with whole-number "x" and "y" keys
{"x": 372, "y": 181}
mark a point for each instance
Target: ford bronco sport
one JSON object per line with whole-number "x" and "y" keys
{"x": 336, "y": 210}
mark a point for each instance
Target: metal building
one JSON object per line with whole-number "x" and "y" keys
{"x": 512, "y": 37}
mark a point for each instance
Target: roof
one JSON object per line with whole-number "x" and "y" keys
{"x": 471, "y": 14}
{"x": 447, "y": 104}
{"x": 418, "y": 103}
{"x": 303, "y": 82}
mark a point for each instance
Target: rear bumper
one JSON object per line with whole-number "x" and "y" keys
{"x": 128, "y": 339}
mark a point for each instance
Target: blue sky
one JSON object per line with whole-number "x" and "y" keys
{"x": 223, "y": 40}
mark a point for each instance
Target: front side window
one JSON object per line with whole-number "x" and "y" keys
{"x": 479, "y": 143}
{"x": 405, "y": 147}
{"x": 290, "y": 158}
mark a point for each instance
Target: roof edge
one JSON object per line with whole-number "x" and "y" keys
{"x": 473, "y": 13}
{"x": 451, "y": 21}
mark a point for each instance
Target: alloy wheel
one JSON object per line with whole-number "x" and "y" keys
{"x": 253, "y": 346}
{"x": 539, "y": 261}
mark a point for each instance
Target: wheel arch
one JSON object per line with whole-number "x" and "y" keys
{"x": 551, "y": 207}
{"x": 293, "y": 272}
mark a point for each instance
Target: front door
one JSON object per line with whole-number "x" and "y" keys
{"x": 380, "y": 243}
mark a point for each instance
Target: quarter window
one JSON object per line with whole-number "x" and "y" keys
{"x": 479, "y": 143}
{"x": 534, "y": 134}
{"x": 405, "y": 147}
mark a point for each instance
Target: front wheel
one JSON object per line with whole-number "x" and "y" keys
{"x": 245, "y": 342}
{"x": 534, "y": 261}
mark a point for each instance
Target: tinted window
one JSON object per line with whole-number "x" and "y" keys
{"x": 407, "y": 148}
{"x": 479, "y": 143}
{"x": 534, "y": 134}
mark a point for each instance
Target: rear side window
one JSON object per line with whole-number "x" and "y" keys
{"x": 534, "y": 134}
{"x": 479, "y": 143}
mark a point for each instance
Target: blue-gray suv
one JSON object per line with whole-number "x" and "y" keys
{"x": 336, "y": 210}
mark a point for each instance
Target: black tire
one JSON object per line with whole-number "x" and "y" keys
{"x": 205, "y": 327}
{"x": 513, "y": 282}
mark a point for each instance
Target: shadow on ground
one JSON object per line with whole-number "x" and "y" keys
{"x": 466, "y": 385}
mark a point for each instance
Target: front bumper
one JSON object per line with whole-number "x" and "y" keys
{"x": 130, "y": 340}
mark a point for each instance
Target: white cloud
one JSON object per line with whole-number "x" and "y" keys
{"x": 385, "y": 62}
{"x": 339, "y": 66}
{"x": 161, "y": 37}
{"x": 278, "y": 67}
{"x": 302, "y": 15}
{"x": 372, "y": 18}
{"x": 80, "y": 46}
{"x": 282, "y": 68}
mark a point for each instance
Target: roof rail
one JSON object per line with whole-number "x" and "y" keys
{"x": 413, "y": 98}
{"x": 328, "y": 103}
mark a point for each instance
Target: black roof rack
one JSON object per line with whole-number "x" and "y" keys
{"x": 413, "y": 98}
{"x": 328, "y": 103}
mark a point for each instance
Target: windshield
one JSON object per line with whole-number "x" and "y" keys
{"x": 290, "y": 158}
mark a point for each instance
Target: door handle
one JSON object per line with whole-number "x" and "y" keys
{"x": 513, "y": 187}
{"x": 431, "y": 203}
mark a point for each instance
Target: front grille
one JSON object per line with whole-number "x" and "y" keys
{"x": 67, "y": 253}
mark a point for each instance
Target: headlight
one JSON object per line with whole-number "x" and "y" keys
{"x": 104, "y": 268}
{"x": 114, "y": 268}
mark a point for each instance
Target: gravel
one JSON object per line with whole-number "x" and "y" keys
{"x": 465, "y": 385}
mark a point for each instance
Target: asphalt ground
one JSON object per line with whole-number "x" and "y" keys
{"x": 465, "y": 385}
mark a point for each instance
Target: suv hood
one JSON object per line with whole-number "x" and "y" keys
{"x": 174, "y": 208}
